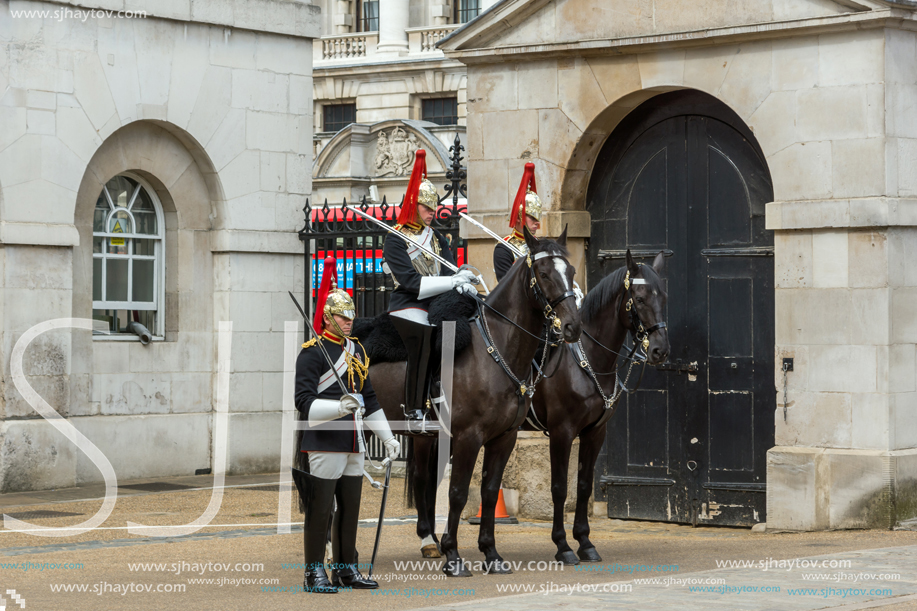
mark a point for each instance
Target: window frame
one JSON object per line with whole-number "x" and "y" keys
{"x": 158, "y": 258}
{"x": 328, "y": 105}
{"x": 459, "y": 10}
{"x": 361, "y": 18}
{"x": 450, "y": 96}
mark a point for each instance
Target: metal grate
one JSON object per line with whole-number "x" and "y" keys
{"x": 156, "y": 487}
{"x": 376, "y": 451}
{"x": 41, "y": 513}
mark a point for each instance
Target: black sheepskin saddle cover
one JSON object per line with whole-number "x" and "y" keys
{"x": 383, "y": 344}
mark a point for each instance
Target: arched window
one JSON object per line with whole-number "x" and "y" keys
{"x": 127, "y": 256}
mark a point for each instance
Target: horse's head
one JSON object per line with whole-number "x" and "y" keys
{"x": 552, "y": 282}
{"x": 649, "y": 297}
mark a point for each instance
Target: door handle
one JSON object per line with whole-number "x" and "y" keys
{"x": 679, "y": 367}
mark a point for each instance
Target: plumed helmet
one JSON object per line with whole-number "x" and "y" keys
{"x": 340, "y": 303}
{"x": 427, "y": 195}
{"x": 533, "y": 205}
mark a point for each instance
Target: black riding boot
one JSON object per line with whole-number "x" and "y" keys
{"x": 345, "y": 571}
{"x": 318, "y": 497}
{"x": 418, "y": 340}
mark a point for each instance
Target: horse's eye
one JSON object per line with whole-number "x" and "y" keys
{"x": 544, "y": 276}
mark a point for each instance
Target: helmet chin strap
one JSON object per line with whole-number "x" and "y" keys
{"x": 337, "y": 326}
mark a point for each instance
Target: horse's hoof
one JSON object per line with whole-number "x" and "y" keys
{"x": 567, "y": 557}
{"x": 431, "y": 551}
{"x": 456, "y": 568}
{"x": 497, "y": 567}
{"x": 588, "y": 554}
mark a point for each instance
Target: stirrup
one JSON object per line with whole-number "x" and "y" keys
{"x": 425, "y": 425}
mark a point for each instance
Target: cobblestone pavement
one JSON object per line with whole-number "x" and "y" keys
{"x": 118, "y": 570}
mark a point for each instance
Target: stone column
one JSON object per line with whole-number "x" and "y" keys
{"x": 393, "y": 25}
{"x": 845, "y": 288}
{"x": 441, "y": 11}
{"x": 343, "y": 17}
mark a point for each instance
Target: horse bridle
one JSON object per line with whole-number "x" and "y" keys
{"x": 539, "y": 294}
{"x": 641, "y": 338}
{"x": 552, "y": 324}
{"x": 641, "y": 334}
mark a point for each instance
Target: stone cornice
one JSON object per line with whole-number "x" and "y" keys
{"x": 385, "y": 69}
{"x": 275, "y": 242}
{"x": 38, "y": 234}
{"x": 892, "y": 17}
{"x": 287, "y": 17}
{"x": 840, "y": 213}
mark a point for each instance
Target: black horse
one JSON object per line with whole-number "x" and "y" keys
{"x": 488, "y": 405}
{"x": 633, "y": 299}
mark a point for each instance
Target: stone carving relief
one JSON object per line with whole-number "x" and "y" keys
{"x": 395, "y": 152}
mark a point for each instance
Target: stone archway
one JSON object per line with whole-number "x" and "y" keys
{"x": 683, "y": 174}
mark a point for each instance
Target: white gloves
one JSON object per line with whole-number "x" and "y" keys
{"x": 377, "y": 423}
{"x": 392, "y": 448}
{"x": 350, "y": 404}
{"x": 463, "y": 281}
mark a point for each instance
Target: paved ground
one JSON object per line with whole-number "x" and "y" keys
{"x": 245, "y": 533}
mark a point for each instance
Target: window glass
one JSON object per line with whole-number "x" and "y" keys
{"x": 144, "y": 282}
{"x": 442, "y": 111}
{"x": 116, "y": 280}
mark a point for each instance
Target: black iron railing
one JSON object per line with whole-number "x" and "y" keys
{"x": 357, "y": 243}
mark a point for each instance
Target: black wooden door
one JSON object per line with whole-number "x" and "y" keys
{"x": 683, "y": 174}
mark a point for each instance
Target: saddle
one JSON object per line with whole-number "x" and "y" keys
{"x": 383, "y": 344}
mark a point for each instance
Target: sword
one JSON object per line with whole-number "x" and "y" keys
{"x": 388, "y": 475}
{"x": 480, "y": 226}
{"x": 411, "y": 242}
{"x": 404, "y": 237}
{"x": 357, "y": 416}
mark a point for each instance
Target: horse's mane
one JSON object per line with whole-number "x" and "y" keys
{"x": 607, "y": 290}
{"x": 549, "y": 245}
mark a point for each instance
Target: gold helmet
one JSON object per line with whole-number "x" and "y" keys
{"x": 340, "y": 303}
{"x": 427, "y": 194}
{"x": 533, "y": 205}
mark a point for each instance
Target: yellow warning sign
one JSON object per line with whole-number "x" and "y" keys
{"x": 117, "y": 229}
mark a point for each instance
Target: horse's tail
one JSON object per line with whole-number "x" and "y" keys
{"x": 409, "y": 475}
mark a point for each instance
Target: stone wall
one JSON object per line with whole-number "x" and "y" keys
{"x": 826, "y": 95}
{"x": 210, "y": 103}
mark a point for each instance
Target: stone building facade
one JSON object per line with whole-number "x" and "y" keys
{"x": 377, "y": 62}
{"x": 828, "y": 89}
{"x": 166, "y": 147}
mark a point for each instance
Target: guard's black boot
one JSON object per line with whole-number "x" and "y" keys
{"x": 318, "y": 498}
{"x": 418, "y": 340}
{"x": 344, "y": 535}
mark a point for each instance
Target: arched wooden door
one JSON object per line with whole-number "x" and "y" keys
{"x": 683, "y": 174}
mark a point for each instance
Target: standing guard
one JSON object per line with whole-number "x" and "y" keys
{"x": 418, "y": 279}
{"x": 526, "y": 212}
{"x": 334, "y": 440}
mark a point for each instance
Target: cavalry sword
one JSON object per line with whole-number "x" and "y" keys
{"x": 388, "y": 476}
{"x": 411, "y": 242}
{"x": 357, "y": 416}
{"x": 480, "y": 226}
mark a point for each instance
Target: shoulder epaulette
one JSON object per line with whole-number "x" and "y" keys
{"x": 309, "y": 343}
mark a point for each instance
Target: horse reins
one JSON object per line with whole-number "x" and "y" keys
{"x": 641, "y": 338}
{"x": 552, "y": 324}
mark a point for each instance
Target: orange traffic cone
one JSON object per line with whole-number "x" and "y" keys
{"x": 501, "y": 516}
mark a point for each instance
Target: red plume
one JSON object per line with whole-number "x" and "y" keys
{"x": 528, "y": 182}
{"x": 408, "y": 214}
{"x": 329, "y": 276}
